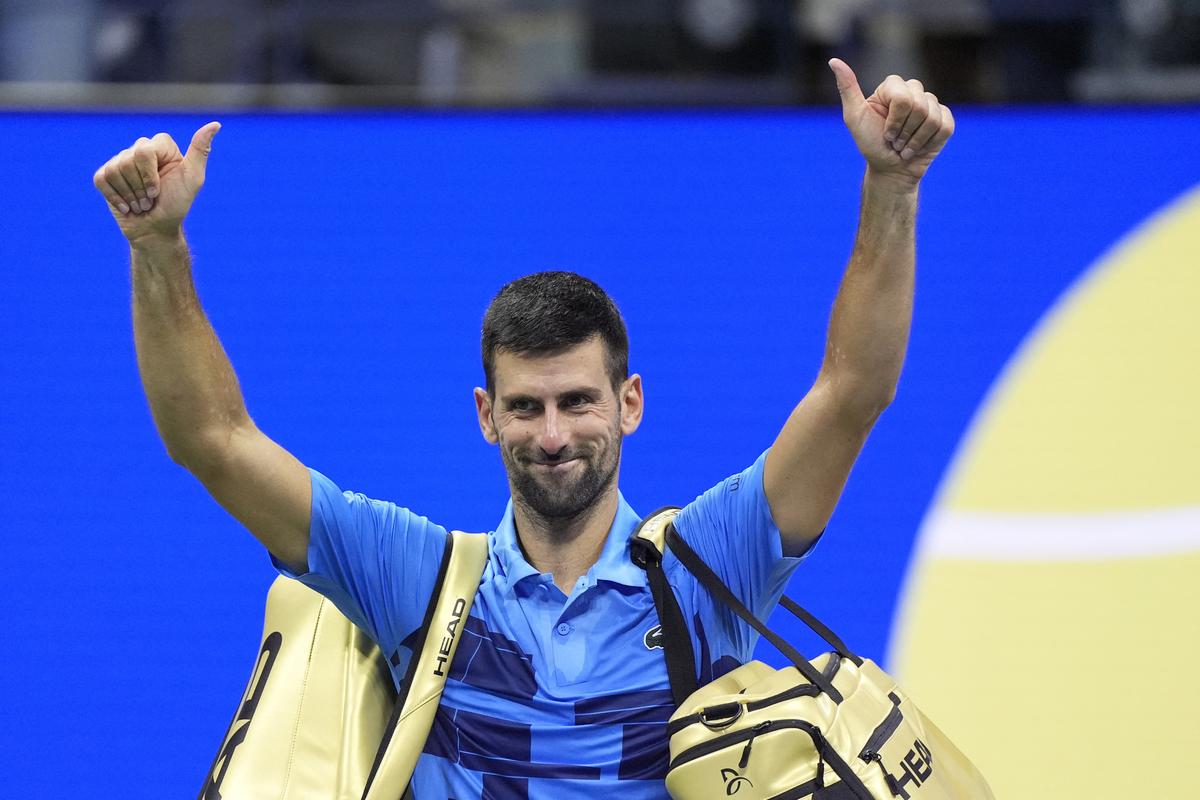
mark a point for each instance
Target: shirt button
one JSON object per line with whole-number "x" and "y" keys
{"x": 563, "y": 629}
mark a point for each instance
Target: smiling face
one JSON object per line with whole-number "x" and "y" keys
{"x": 559, "y": 421}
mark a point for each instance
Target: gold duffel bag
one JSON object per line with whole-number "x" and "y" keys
{"x": 835, "y": 728}
{"x": 320, "y": 717}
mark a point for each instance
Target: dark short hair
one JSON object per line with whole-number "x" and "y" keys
{"x": 549, "y": 312}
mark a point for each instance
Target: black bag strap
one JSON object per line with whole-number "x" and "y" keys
{"x": 684, "y": 552}
{"x": 677, "y": 640}
{"x": 717, "y": 588}
{"x": 819, "y": 628}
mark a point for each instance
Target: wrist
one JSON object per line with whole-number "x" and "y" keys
{"x": 892, "y": 183}
{"x": 156, "y": 242}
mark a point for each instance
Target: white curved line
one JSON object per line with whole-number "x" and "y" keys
{"x": 998, "y": 536}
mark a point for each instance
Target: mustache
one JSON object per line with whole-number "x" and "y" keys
{"x": 538, "y": 456}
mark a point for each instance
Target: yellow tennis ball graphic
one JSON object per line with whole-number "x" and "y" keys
{"x": 1051, "y": 619}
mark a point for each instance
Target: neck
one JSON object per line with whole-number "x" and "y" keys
{"x": 565, "y": 548}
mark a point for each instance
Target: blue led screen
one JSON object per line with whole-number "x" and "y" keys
{"x": 346, "y": 261}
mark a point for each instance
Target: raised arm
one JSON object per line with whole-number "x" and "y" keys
{"x": 192, "y": 389}
{"x": 899, "y": 129}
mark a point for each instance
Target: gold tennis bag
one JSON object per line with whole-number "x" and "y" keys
{"x": 320, "y": 717}
{"x": 835, "y": 728}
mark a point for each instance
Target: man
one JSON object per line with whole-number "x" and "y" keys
{"x": 559, "y": 688}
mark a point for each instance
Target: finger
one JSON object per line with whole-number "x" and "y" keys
{"x": 922, "y": 136}
{"x": 145, "y": 160}
{"x": 916, "y": 117}
{"x": 100, "y": 181}
{"x": 895, "y": 95}
{"x": 135, "y": 175}
{"x": 945, "y": 130}
{"x": 165, "y": 149}
{"x": 847, "y": 84}
{"x": 115, "y": 175}
{"x": 201, "y": 146}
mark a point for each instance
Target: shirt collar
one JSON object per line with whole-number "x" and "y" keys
{"x": 613, "y": 565}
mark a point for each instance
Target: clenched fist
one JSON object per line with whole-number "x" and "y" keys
{"x": 899, "y": 129}
{"x": 150, "y": 186}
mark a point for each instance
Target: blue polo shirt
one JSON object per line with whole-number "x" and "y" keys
{"x": 551, "y": 696}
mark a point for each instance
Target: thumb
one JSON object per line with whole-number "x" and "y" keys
{"x": 201, "y": 146}
{"x": 847, "y": 84}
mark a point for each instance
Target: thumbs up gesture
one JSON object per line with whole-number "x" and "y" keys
{"x": 151, "y": 185}
{"x": 899, "y": 129}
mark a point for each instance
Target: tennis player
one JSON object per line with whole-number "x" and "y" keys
{"x": 559, "y": 688}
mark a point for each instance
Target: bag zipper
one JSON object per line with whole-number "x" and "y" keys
{"x": 803, "y": 690}
{"x": 882, "y": 732}
{"x": 744, "y": 761}
{"x": 825, "y": 753}
{"x": 747, "y": 735}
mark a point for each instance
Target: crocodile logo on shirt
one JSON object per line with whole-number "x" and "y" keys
{"x": 654, "y": 638}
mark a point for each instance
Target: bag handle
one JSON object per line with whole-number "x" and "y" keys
{"x": 817, "y": 627}
{"x": 684, "y": 552}
{"x": 717, "y": 588}
{"x": 652, "y": 537}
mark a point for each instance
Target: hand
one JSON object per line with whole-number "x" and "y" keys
{"x": 150, "y": 186}
{"x": 899, "y": 129}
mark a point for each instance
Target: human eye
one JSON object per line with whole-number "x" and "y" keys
{"x": 522, "y": 405}
{"x": 577, "y": 400}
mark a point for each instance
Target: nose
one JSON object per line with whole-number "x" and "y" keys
{"x": 552, "y": 438}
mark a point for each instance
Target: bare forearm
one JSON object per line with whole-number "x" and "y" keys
{"x": 869, "y": 326}
{"x": 191, "y": 386}
{"x": 189, "y": 382}
{"x": 899, "y": 130}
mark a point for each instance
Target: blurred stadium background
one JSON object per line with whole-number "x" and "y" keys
{"x": 1019, "y": 539}
{"x": 323, "y": 53}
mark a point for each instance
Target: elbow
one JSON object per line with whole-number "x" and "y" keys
{"x": 178, "y": 454}
{"x": 881, "y": 399}
{"x": 866, "y": 411}
{"x": 862, "y": 399}
{"x": 199, "y": 461}
{"x": 205, "y": 454}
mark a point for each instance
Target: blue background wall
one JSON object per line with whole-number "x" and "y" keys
{"x": 346, "y": 262}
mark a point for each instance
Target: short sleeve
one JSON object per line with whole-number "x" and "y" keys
{"x": 731, "y": 528}
{"x": 376, "y": 561}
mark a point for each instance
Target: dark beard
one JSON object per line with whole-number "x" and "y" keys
{"x": 568, "y": 500}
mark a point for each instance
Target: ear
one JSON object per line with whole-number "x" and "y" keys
{"x": 483, "y": 407}
{"x": 632, "y": 403}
